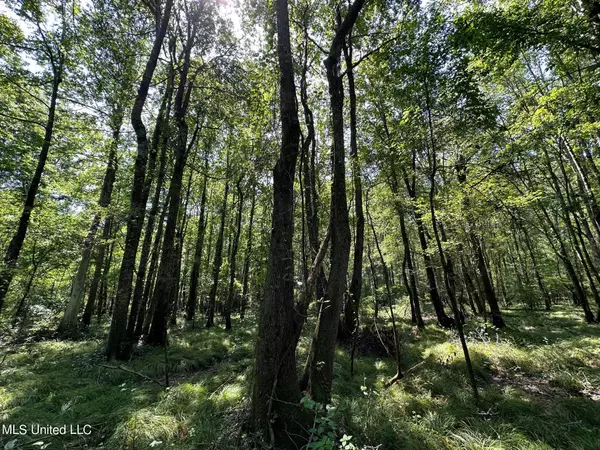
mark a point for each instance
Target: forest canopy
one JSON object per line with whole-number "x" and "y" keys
{"x": 300, "y": 224}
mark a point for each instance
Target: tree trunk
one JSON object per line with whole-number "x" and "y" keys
{"x": 246, "y": 276}
{"x": 234, "y": 250}
{"x": 388, "y": 290}
{"x": 148, "y": 306}
{"x": 11, "y": 256}
{"x": 321, "y": 376}
{"x": 354, "y": 293}
{"x": 488, "y": 289}
{"x": 69, "y": 321}
{"x": 167, "y": 278}
{"x": 135, "y": 221}
{"x": 275, "y": 367}
{"x": 86, "y": 319}
{"x": 160, "y": 138}
{"x": 196, "y": 266}
{"x": 212, "y": 298}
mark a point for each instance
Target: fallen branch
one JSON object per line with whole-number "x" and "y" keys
{"x": 399, "y": 376}
{"x": 125, "y": 369}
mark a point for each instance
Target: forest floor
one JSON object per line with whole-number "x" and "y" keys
{"x": 539, "y": 384}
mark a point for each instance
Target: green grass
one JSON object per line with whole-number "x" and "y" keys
{"x": 539, "y": 385}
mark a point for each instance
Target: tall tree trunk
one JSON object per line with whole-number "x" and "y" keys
{"x": 11, "y": 256}
{"x": 148, "y": 306}
{"x": 246, "y": 275}
{"x": 180, "y": 262}
{"x": 536, "y": 270}
{"x": 354, "y": 293}
{"x": 212, "y": 298}
{"x": 410, "y": 279}
{"x": 311, "y": 196}
{"x": 488, "y": 289}
{"x": 160, "y": 138}
{"x": 388, "y": 290}
{"x": 375, "y": 287}
{"x": 275, "y": 391}
{"x": 86, "y": 319}
{"x": 196, "y": 265}
{"x": 104, "y": 278}
{"x": 118, "y": 326}
{"x": 69, "y": 321}
{"x": 321, "y": 375}
{"x": 167, "y": 279}
{"x": 234, "y": 250}
{"x": 442, "y": 318}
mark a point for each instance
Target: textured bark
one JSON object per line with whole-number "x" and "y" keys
{"x": 233, "y": 255}
{"x": 212, "y": 297}
{"x": 166, "y": 289}
{"x": 159, "y": 139}
{"x": 135, "y": 221}
{"x": 321, "y": 373}
{"x": 196, "y": 265}
{"x": 13, "y": 250}
{"x": 354, "y": 292}
{"x": 275, "y": 366}
{"x": 311, "y": 195}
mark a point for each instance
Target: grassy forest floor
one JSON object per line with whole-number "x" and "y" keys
{"x": 539, "y": 385}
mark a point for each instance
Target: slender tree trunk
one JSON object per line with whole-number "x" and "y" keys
{"x": 488, "y": 289}
{"x": 375, "y": 287}
{"x": 148, "y": 305}
{"x": 11, "y": 256}
{"x": 69, "y": 321}
{"x": 275, "y": 387}
{"x": 354, "y": 294}
{"x": 536, "y": 270}
{"x": 118, "y": 327}
{"x": 246, "y": 276}
{"x": 167, "y": 278}
{"x": 196, "y": 266}
{"x": 105, "y": 271}
{"x": 321, "y": 376}
{"x": 160, "y": 138}
{"x": 212, "y": 298}
{"x": 388, "y": 289}
{"x": 86, "y": 319}
{"x": 234, "y": 250}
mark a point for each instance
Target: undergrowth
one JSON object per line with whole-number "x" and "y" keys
{"x": 539, "y": 383}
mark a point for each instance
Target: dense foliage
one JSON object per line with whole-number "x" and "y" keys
{"x": 327, "y": 172}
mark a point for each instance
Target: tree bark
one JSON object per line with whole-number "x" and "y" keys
{"x": 246, "y": 275}
{"x": 321, "y": 374}
{"x": 13, "y": 250}
{"x": 160, "y": 138}
{"x": 69, "y": 321}
{"x": 275, "y": 367}
{"x": 135, "y": 221}
{"x": 167, "y": 278}
{"x": 196, "y": 265}
{"x": 212, "y": 298}
{"x": 234, "y": 250}
{"x": 354, "y": 293}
